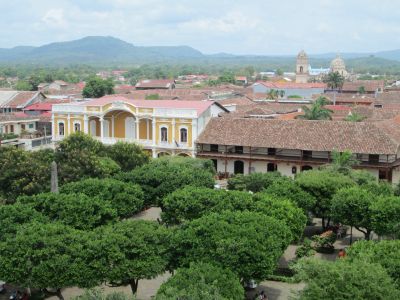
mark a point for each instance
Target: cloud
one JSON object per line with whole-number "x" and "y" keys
{"x": 253, "y": 27}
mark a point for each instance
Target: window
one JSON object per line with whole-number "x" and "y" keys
{"x": 22, "y": 126}
{"x": 271, "y": 167}
{"x": 77, "y": 127}
{"x": 213, "y": 148}
{"x": 60, "y": 128}
{"x": 301, "y": 69}
{"x": 11, "y": 128}
{"x": 164, "y": 134}
{"x": 307, "y": 154}
{"x": 184, "y": 135}
{"x": 239, "y": 149}
{"x": 271, "y": 151}
{"x": 294, "y": 170}
{"x": 374, "y": 158}
{"x": 31, "y": 126}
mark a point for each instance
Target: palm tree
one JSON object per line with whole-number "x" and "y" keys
{"x": 281, "y": 93}
{"x": 272, "y": 94}
{"x": 317, "y": 110}
{"x": 343, "y": 162}
{"x": 334, "y": 80}
{"x": 354, "y": 117}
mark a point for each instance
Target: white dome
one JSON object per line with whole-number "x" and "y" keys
{"x": 338, "y": 64}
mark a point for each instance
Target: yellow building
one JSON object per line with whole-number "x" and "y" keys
{"x": 166, "y": 127}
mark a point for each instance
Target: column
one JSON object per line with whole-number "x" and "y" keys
{"x": 154, "y": 131}
{"x": 112, "y": 126}
{"x": 85, "y": 124}
{"x": 147, "y": 129}
{"x": 194, "y": 132}
{"x": 173, "y": 131}
{"x": 68, "y": 125}
{"x": 53, "y": 127}
{"x": 101, "y": 128}
{"x": 137, "y": 128}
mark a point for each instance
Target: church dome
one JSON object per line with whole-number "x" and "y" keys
{"x": 338, "y": 64}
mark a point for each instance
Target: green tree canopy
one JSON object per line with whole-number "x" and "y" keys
{"x": 254, "y": 182}
{"x": 385, "y": 213}
{"x": 284, "y": 210}
{"x": 24, "y": 172}
{"x": 352, "y": 206}
{"x": 343, "y": 280}
{"x": 354, "y": 117}
{"x": 127, "y": 155}
{"x": 125, "y": 198}
{"x": 15, "y": 215}
{"x": 165, "y": 175}
{"x": 192, "y": 202}
{"x": 386, "y": 253}
{"x": 248, "y": 243}
{"x": 323, "y": 184}
{"x": 202, "y": 281}
{"x": 80, "y": 156}
{"x": 317, "y": 110}
{"x": 42, "y": 256}
{"x": 334, "y": 80}
{"x": 287, "y": 188}
{"x": 96, "y": 87}
{"x": 76, "y": 210}
{"x": 127, "y": 251}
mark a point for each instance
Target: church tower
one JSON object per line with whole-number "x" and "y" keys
{"x": 302, "y": 65}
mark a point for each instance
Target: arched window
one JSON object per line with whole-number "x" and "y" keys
{"x": 184, "y": 135}
{"x": 77, "y": 127}
{"x": 60, "y": 128}
{"x": 301, "y": 69}
{"x": 164, "y": 134}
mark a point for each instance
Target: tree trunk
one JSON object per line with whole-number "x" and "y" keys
{"x": 134, "y": 285}
{"x": 59, "y": 295}
{"x": 323, "y": 224}
{"x": 368, "y": 235}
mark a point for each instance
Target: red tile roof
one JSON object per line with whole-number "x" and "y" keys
{"x": 369, "y": 85}
{"x": 155, "y": 83}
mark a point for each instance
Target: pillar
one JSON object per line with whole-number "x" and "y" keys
{"x": 53, "y": 127}
{"x": 101, "y": 128}
{"x": 112, "y": 126}
{"x": 86, "y": 124}
{"x": 173, "y": 131}
{"x": 68, "y": 125}
{"x": 154, "y": 131}
{"x": 137, "y": 128}
{"x": 194, "y": 131}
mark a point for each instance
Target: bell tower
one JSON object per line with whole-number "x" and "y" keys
{"x": 302, "y": 73}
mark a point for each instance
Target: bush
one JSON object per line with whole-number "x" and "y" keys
{"x": 254, "y": 182}
{"x": 305, "y": 250}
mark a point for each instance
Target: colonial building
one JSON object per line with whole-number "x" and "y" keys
{"x": 164, "y": 127}
{"x": 245, "y": 145}
{"x": 338, "y": 65}
{"x": 302, "y": 90}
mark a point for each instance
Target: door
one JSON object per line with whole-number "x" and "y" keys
{"x": 238, "y": 167}
{"x": 130, "y": 128}
{"x": 92, "y": 126}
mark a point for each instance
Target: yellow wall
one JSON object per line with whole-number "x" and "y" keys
{"x": 160, "y": 124}
{"x": 178, "y": 126}
{"x": 143, "y": 129}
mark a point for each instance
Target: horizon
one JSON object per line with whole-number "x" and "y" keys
{"x": 240, "y": 28}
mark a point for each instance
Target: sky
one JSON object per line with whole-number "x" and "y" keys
{"x": 212, "y": 26}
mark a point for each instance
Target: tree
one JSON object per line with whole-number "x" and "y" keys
{"x": 24, "y": 172}
{"x": 76, "y": 210}
{"x": 125, "y": 198}
{"x": 96, "y": 87}
{"x": 248, "y": 243}
{"x": 284, "y": 210}
{"x": 23, "y": 85}
{"x": 127, "y": 251}
{"x": 362, "y": 177}
{"x": 334, "y": 80}
{"x": 317, "y": 110}
{"x": 354, "y": 117}
{"x": 343, "y": 162}
{"x": 287, "y": 188}
{"x": 385, "y": 213}
{"x": 165, "y": 175}
{"x": 13, "y": 216}
{"x": 385, "y": 253}
{"x": 343, "y": 280}
{"x": 97, "y": 294}
{"x": 279, "y": 72}
{"x": 352, "y": 206}
{"x": 322, "y": 185}
{"x": 42, "y": 256}
{"x": 127, "y": 155}
{"x": 193, "y": 202}
{"x": 254, "y": 182}
{"x": 201, "y": 281}
{"x": 361, "y": 90}
{"x": 80, "y": 156}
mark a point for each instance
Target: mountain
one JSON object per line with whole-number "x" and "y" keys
{"x": 95, "y": 49}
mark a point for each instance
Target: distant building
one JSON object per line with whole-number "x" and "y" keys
{"x": 338, "y": 65}
{"x": 302, "y": 67}
{"x": 150, "y": 84}
{"x": 304, "y": 90}
{"x": 13, "y": 101}
{"x": 241, "y": 80}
